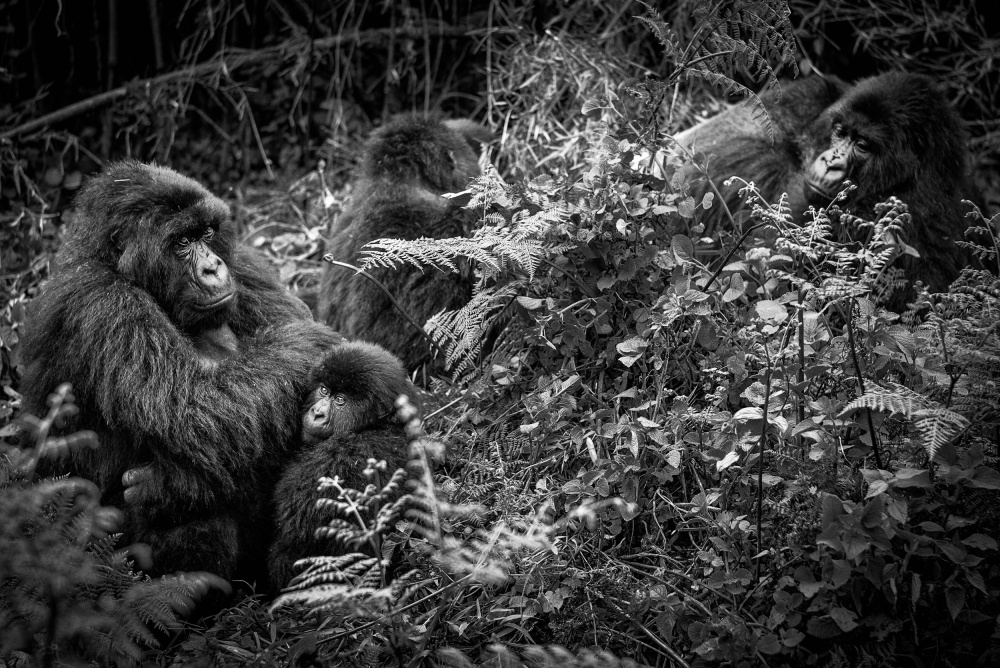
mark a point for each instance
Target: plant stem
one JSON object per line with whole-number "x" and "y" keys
{"x": 861, "y": 381}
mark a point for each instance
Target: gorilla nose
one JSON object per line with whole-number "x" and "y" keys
{"x": 210, "y": 265}
{"x": 213, "y": 273}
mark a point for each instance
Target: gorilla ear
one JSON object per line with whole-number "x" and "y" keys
{"x": 473, "y": 132}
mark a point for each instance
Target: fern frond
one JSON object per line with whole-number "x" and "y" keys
{"x": 757, "y": 109}
{"x": 936, "y": 425}
{"x": 461, "y": 333}
{"x": 894, "y": 399}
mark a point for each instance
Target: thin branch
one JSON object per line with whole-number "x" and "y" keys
{"x": 224, "y": 66}
{"x": 861, "y": 381}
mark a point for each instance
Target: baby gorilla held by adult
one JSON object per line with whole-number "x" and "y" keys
{"x": 348, "y": 418}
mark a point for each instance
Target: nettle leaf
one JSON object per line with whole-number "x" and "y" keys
{"x": 683, "y": 248}
{"x": 727, "y": 461}
{"x": 954, "y": 596}
{"x": 737, "y": 288}
{"x": 912, "y": 478}
{"x": 530, "y": 303}
{"x": 635, "y": 344}
{"x": 605, "y": 282}
{"x": 845, "y": 619}
{"x": 609, "y": 144}
{"x": 755, "y": 393}
{"x": 685, "y": 208}
{"x": 980, "y": 541}
{"x": 807, "y": 582}
{"x": 985, "y": 478}
{"x": 748, "y": 413}
{"x": 674, "y": 458}
{"x": 769, "y": 480}
{"x": 771, "y": 311}
{"x": 769, "y": 644}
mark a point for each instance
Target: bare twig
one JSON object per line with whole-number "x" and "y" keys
{"x": 224, "y": 66}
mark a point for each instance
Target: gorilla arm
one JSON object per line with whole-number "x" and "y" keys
{"x": 204, "y": 428}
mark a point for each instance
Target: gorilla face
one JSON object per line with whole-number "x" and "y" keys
{"x": 850, "y": 148}
{"x": 355, "y": 386}
{"x": 174, "y": 239}
{"x": 203, "y": 290}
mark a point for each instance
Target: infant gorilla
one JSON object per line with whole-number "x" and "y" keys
{"x": 348, "y": 417}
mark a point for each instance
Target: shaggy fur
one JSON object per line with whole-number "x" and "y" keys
{"x": 214, "y": 431}
{"x": 369, "y": 379}
{"x": 407, "y": 165}
{"x": 917, "y": 153}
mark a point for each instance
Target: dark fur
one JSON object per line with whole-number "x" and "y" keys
{"x": 407, "y": 165}
{"x": 370, "y": 378}
{"x": 737, "y": 144}
{"x": 215, "y": 430}
{"x": 919, "y": 156}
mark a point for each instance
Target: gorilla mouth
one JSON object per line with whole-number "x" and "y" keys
{"x": 214, "y": 304}
{"x": 321, "y": 424}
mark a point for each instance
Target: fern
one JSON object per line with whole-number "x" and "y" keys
{"x": 738, "y": 36}
{"x": 523, "y": 229}
{"x": 65, "y": 588}
{"x": 463, "y": 332}
{"x": 936, "y": 425}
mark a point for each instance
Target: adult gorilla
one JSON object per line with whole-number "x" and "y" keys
{"x": 187, "y": 358}
{"x": 892, "y": 134}
{"x": 407, "y": 165}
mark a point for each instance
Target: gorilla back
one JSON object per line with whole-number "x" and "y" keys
{"x": 187, "y": 357}
{"x": 407, "y": 165}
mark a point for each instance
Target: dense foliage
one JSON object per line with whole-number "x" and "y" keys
{"x": 660, "y": 443}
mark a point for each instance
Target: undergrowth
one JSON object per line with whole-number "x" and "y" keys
{"x": 660, "y": 444}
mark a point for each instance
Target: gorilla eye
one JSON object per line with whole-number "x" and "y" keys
{"x": 209, "y": 233}
{"x": 183, "y": 246}
{"x": 339, "y": 400}
{"x": 838, "y": 130}
{"x": 323, "y": 391}
{"x": 863, "y": 145}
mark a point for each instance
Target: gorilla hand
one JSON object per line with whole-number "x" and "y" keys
{"x": 139, "y": 483}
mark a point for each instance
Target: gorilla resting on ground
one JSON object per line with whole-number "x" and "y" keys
{"x": 347, "y": 418}
{"x": 892, "y": 134}
{"x": 185, "y": 354}
{"x": 407, "y": 165}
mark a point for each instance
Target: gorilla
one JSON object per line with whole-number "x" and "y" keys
{"x": 407, "y": 165}
{"x": 186, "y": 355}
{"x": 348, "y": 417}
{"x": 892, "y": 134}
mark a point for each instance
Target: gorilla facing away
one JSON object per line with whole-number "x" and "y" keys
{"x": 186, "y": 356}
{"x": 407, "y": 165}
{"x": 348, "y": 417}
{"x": 892, "y": 134}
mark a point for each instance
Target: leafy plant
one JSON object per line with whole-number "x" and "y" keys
{"x": 66, "y": 595}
